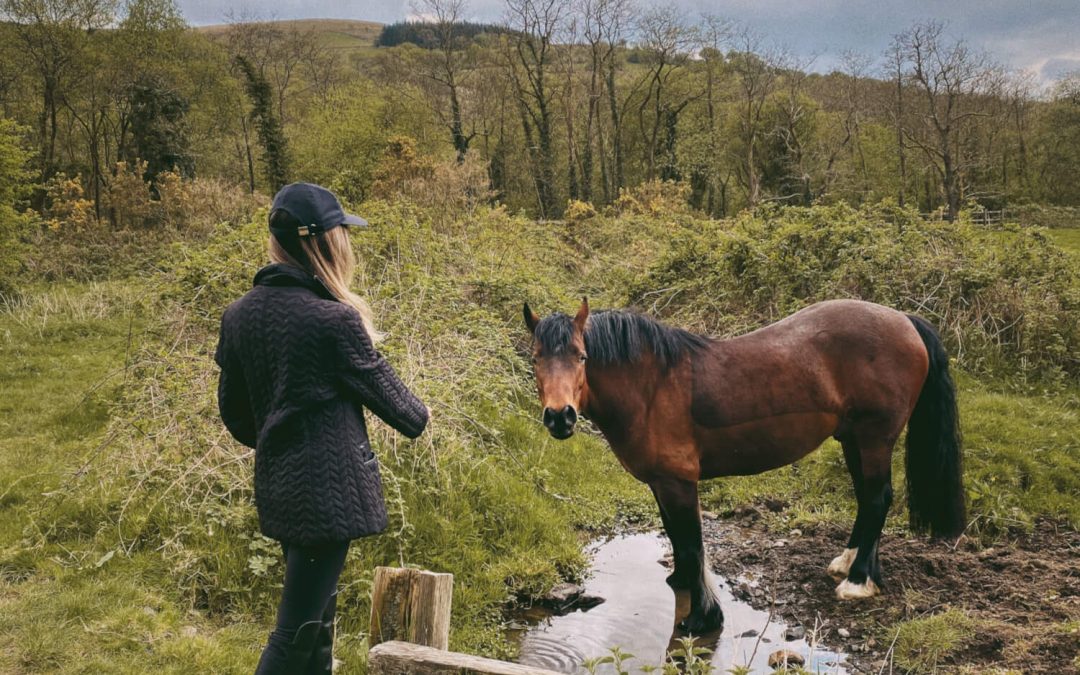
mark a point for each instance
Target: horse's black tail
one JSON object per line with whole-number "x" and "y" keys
{"x": 934, "y": 482}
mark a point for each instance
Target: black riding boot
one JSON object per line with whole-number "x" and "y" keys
{"x": 289, "y": 655}
{"x": 322, "y": 658}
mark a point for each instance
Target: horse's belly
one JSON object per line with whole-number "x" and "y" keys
{"x": 762, "y": 445}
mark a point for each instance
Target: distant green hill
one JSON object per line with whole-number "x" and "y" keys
{"x": 344, "y": 34}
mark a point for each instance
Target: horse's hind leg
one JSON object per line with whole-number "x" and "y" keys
{"x": 841, "y": 564}
{"x": 680, "y": 577}
{"x": 875, "y": 497}
{"x": 679, "y": 500}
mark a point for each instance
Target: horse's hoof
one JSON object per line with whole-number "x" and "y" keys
{"x": 678, "y": 582}
{"x": 841, "y": 564}
{"x": 700, "y": 622}
{"x": 851, "y": 591}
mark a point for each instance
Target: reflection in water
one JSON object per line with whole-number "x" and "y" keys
{"x": 640, "y": 613}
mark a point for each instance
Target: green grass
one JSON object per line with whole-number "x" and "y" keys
{"x": 922, "y": 643}
{"x": 62, "y": 357}
{"x": 1066, "y": 238}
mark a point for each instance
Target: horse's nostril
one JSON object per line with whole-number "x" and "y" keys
{"x": 549, "y": 417}
{"x": 570, "y": 415}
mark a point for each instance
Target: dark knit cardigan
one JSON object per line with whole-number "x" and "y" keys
{"x": 297, "y": 369}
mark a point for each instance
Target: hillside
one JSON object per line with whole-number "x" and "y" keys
{"x": 344, "y": 34}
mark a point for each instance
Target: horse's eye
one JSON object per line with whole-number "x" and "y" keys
{"x": 583, "y": 358}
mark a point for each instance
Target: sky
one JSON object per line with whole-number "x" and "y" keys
{"x": 1042, "y": 36}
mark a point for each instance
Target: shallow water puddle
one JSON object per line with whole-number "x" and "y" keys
{"x": 639, "y": 614}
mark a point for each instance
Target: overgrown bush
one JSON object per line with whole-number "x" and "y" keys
{"x": 1005, "y": 305}
{"x": 136, "y": 229}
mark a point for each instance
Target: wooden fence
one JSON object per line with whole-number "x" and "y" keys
{"x": 410, "y": 629}
{"x": 978, "y": 217}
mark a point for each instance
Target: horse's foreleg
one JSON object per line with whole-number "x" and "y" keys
{"x": 680, "y": 577}
{"x": 679, "y": 500}
{"x": 875, "y": 497}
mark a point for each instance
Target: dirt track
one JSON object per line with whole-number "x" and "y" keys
{"x": 1021, "y": 592}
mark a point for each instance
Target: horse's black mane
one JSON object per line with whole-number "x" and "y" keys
{"x": 619, "y": 336}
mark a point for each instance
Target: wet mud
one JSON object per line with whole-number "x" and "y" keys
{"x": 1023, "y": 593}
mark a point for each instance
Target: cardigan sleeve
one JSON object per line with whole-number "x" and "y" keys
{"x": 234, "y": 403}
{"x": 372, "y": 382}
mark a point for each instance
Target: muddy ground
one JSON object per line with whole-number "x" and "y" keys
{"x": 1021, "y": 592}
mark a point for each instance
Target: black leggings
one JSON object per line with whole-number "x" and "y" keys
{"x": 311, "y": 576}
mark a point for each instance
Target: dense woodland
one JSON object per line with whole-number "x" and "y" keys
{"x": 563, "y": 101}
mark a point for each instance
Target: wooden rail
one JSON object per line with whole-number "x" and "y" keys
{"x": 402, "y": 658}
{"x": 984, "y": 217}
{"x": 410, "y": 629}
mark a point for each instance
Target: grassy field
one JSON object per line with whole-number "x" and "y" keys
{"x": 63, "y": 606}
{"x": 67, "y": 607}
{"x": 1067, "y": 238}
{"x": 113, "y": 559}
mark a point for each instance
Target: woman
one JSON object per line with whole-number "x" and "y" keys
{"x": 298, "y": 364}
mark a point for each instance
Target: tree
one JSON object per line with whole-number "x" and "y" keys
{"x": 53, "y": 34}
{"x": 755, "y": 72}
{"x": 159, "y": 129}
{"x": 446, "y": 64}
{"x": 1058, "y": 145}
{"x": 277, "y": 53}
{"x": 16, "y": 184}
{"x": 794, "y": 129}
{"x": 948, "y": 77}
{"x": 603, "y": 22}
{"x": 709, "y": 177}
{"x": 271, "y": 136}
{"x": 530, "y": 50}
{"x": 667, "y": 39}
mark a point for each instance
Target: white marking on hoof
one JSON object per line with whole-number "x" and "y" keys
{"x": 841, "y": 564}
{"x": 849, "y": 591}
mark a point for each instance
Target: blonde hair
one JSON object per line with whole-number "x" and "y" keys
{"x": 329, "y": 257}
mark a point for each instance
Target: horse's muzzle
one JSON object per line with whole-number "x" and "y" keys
{"x": 560, "y": 423}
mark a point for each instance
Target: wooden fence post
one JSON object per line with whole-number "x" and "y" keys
{"x": 412, "y": 606}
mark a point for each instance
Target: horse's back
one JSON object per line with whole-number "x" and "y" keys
{"x": 788, "y": 386}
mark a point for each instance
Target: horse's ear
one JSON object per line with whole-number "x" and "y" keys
{"x": 582, "y": 315}
{"x": 530, "y": 318}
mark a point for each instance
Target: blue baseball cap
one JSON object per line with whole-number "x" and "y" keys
{"x": 314, "y": 207}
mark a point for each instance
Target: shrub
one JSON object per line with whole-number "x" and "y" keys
{"x": 653, "y": 198}
{"x": 1004, "y": 305}
{"x": 577, "y": 211}
{"x": 67, "y": 207}
{"x": 140, "y": 222}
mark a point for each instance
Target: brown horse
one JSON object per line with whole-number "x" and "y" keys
{"x": 677, "y": 408}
